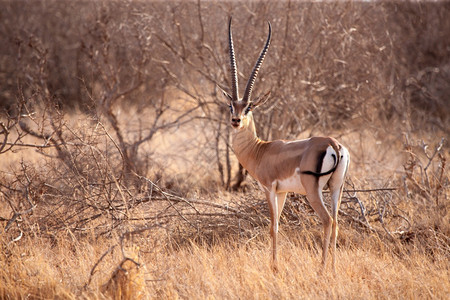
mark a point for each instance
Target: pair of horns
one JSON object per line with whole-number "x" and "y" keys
{"x": 251, "y": 80}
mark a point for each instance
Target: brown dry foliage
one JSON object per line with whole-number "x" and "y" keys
{"x": 113, "y": 134}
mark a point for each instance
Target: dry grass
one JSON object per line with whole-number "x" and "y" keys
{"x": 229, "y": 269}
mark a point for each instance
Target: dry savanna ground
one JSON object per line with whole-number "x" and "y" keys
{"x": 117, "y": 179}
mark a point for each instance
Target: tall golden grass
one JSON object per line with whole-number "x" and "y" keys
{"x": 228, "y": 269}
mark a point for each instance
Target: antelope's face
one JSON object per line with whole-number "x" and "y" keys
{"x": 240, "y": 114}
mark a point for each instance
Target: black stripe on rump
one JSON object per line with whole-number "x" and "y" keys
{"x": 320, "y": 159}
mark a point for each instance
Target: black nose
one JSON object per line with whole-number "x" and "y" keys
{"x": 235, "y": 122}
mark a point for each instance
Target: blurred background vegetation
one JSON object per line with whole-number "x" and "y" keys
{"x": 329, "y": 63}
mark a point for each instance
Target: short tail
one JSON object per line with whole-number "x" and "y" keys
{"x": 320, "y": 174}
{"x": 337, "y": 159}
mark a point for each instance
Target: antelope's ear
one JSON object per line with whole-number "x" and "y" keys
{"x": 261, "y": 99}
{"x": 228, "y": 96}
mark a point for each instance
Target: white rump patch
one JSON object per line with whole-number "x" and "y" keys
{"x": 328, "y": 163}
{"x": 329, "y": 160}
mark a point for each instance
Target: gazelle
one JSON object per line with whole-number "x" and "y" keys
{"x": 300, "y": 166}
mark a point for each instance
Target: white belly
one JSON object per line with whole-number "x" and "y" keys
{"x": 291, "y": 184}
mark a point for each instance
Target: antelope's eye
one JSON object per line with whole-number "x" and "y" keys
{"x": 231, "y": 108}
{"x": 249, "y": 108}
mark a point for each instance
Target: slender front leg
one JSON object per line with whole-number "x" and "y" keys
{"x": 273, "y": 210}
{"x": 281, "y": 199}
{"x": 276, "y": 203}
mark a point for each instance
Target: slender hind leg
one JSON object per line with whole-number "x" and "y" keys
{"x": 336, "y": 185}
{"x": 336, "y": 196}
{"x": 314, "y": 196}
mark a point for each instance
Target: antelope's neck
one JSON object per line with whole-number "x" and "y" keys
{"x": 247, "y": 147}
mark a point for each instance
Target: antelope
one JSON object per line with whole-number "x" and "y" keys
{"x": 301, "y": 166}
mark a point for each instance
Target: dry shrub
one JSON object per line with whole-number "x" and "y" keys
{"x": 127, "y": 281}
{"x": 426, "y": 185}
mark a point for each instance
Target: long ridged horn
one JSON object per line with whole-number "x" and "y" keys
{"x": 251, "y": 80}
{"x": 234, "y": 77}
